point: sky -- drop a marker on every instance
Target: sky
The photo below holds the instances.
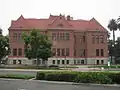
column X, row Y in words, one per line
column 101, row 10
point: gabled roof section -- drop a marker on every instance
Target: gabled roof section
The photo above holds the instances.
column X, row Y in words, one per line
column 19, row 23
column 20, row 18
column 95, row 25
column 58, row 22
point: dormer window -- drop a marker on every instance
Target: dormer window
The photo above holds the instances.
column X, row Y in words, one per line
column 60, row 25
column 60, row 16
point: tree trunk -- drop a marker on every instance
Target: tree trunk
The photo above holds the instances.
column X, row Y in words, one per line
column 37, row 61
column 0, row 62
column 111, row 59
column 44, row 63
column 114, row 44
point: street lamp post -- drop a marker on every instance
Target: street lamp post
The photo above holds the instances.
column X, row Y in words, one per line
column 65, row 61
column 6, row 57
column 56, row 57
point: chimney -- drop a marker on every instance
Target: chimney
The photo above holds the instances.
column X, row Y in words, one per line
column 68, row 17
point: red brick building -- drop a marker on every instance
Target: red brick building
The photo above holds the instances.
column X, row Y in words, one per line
column 83, row 41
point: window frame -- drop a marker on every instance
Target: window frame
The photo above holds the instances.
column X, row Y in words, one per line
column 14, row 51
column 67, row 35
column 19, row 51
column 97, row 52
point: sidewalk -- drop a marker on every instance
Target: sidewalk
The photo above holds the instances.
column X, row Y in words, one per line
column 29, row 70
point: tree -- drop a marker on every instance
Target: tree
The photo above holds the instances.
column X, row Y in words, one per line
column 117, row 51
column 113, row 27
column 37, row 46
column 110, row 49
column 4, row 47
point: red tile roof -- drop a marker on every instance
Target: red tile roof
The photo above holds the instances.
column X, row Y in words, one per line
column 53, row 23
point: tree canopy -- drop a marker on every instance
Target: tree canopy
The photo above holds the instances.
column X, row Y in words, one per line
column 37, row 45
column 114, row 50
column 4, row 47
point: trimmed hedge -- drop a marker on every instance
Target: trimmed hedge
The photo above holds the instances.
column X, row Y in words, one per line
column 80, row 77
column 16, row 76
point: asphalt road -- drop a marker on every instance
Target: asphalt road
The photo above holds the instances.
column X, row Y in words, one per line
column 36, row 85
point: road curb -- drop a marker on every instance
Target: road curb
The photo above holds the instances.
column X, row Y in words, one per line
column 67, row 83
column 85, row 84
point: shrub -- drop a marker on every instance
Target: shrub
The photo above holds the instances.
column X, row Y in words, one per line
column 40, row 76
column 56, row 76
column 93, row 77
column 115, row 77
column 80, row 77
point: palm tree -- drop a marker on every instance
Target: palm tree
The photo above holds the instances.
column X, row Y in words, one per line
column 113, row 26
column 118, row 23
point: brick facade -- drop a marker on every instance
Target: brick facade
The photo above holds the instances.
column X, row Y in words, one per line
column 74, row 41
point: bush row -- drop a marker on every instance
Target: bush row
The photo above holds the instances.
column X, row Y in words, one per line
column 80, row 77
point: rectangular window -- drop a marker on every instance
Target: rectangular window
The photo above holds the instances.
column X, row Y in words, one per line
column 67, row 52
column 63, row 61
column 82, row 61
column 15, row 36
column 58, row 36
column 58, row 61
column 19, row 52
column 102, row 52
column 101, row 39
column 74, row 52
column 75, row 62
column 19, row 62
column 63, row 52
column 102, row 61
column 58, row 51
column 82, row 39
column 82, row 52
column 97, row 52
column 54, row 51
column 53, row 61
column 97, row 39
column 14, row 61
column 78, row 61
column 67, row 62
column 19, row 36
column 54, row 36
column 93, row 39
column 24, row 51
column 62, row 36
column 15, row 52
column 67, row 36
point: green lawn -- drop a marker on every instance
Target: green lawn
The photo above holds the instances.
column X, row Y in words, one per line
column 17, row 76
